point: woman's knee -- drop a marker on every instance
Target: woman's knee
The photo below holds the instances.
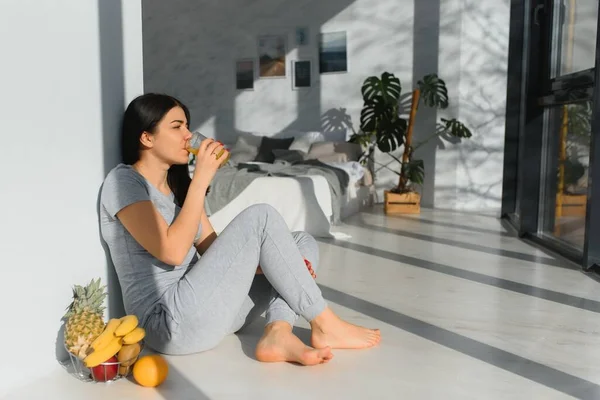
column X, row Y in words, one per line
column 258, row 211
column 263, row 213
column 261, row 209
column 304, row 239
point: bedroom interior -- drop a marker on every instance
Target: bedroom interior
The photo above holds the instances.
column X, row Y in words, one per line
column 247, row 96
column 482, row 275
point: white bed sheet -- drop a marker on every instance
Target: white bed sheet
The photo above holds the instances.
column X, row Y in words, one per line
column 357, row 197
column 304, row 202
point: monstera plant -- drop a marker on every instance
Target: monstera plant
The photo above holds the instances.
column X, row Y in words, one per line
column 576, row 139
column 383, row 126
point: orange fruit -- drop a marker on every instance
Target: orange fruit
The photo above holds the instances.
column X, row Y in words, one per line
column 150, row 370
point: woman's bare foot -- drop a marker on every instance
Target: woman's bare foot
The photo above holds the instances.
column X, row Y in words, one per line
column 280, row 344
column 328, row 330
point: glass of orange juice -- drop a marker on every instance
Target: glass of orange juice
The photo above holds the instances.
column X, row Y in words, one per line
column 194, row 144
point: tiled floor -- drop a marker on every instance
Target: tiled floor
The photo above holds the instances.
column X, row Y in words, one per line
column 467, row 311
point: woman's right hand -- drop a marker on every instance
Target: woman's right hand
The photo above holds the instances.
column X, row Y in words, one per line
column 207, row 163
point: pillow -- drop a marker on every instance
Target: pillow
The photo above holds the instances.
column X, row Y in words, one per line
column 320, row 149
column 245, row 149
column 303, row 140
column 267, row 145
column 332, row 158
column 289, row 156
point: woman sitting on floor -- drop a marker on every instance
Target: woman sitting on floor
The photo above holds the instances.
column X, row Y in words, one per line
column 188, row 287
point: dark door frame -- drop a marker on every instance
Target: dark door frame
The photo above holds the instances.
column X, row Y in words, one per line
column 527, row 81
column 530, row 91
column 591, row 249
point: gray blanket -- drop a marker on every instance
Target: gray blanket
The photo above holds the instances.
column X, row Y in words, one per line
column 229, row 182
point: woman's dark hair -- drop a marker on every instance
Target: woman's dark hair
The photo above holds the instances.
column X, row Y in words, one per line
column 142, row 115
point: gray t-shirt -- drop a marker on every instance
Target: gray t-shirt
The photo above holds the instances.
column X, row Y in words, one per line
column 144, row 279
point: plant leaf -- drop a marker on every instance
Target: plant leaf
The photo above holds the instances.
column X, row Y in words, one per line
column 360, row 138
column 388, row 88
column 415, row 171
column 373, row 112
column 580, row 119
column 391, row 133
column 379, row 115
column 433, row 91
column 456, row 128
column 573, row 171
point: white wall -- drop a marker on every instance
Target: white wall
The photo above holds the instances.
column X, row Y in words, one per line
column 56, row 122
column 467, row 44
column 190, row 48
column 478, row 162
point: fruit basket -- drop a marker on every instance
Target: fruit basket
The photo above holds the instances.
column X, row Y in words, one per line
column 99, row 351
column 108, row 371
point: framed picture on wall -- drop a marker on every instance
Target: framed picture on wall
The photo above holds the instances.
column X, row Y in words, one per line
column 301, row 74
column 244, row 74
column 272, row 56
column 333, row 52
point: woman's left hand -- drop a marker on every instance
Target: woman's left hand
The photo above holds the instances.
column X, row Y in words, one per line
column 310, row 269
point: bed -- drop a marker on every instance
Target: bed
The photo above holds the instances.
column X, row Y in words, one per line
column 309, row 201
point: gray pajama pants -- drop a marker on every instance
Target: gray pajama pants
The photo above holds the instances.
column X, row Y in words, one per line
column 222, row 293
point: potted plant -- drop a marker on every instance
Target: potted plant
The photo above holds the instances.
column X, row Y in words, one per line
column 573, row 144
column 383, row 126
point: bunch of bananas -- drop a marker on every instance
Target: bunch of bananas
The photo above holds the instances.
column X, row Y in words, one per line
column 120, row 336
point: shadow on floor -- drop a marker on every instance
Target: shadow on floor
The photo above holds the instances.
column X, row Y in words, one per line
column 361, row 223
column 506, row 284
column 542, row 374
column 420, row 220
column 177, row 386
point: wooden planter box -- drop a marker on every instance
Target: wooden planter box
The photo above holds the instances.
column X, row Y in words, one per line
column 402, row 203
column 573, row 205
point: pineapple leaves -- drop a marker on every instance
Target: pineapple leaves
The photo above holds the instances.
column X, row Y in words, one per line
column 456, row 128
column 433, row 91
column 91, row 297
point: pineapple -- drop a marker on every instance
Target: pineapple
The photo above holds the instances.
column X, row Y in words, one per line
column 85, row 318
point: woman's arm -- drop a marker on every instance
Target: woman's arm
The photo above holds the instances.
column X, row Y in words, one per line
column 170, row 244
column 207, row 236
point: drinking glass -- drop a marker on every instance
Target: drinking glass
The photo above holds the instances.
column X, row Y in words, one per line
column 194, row 144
